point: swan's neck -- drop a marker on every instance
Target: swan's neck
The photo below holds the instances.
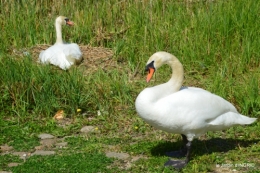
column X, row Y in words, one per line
column 58, row 33
column 149, row 96
column 173, row 85
column 147, row 99
column 176, row 81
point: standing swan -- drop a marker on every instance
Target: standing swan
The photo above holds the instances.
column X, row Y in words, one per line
column 61, row 54
column 188, row 111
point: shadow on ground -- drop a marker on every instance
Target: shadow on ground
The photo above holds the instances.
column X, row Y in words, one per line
column 202, row 147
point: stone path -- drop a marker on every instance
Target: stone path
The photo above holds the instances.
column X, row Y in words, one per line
column 49, row 145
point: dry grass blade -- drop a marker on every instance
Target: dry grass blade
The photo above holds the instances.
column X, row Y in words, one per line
column 96, row 57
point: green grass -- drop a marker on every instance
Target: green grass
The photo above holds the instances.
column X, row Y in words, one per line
column 79, row 162
column 217, row 42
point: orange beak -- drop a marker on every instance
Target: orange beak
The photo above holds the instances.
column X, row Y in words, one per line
column 150, row 74
column 70, row 23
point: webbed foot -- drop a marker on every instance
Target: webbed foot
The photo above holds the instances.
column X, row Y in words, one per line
column 178, row 164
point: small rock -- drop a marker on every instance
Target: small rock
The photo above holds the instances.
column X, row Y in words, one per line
column 62, row 144
column 13, row 164
column 22, row 155
column 87, row 129
column 45, row 136
column 6, row 148
column 43, row 153
column 47, row 142
column 118, row 155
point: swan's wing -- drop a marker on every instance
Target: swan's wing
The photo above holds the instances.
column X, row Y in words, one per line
column 55, row 55
column 72, row 52
column 194, row 105
column 45, row 56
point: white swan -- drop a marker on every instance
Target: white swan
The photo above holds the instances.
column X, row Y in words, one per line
column 61, row 54
column 188, row 111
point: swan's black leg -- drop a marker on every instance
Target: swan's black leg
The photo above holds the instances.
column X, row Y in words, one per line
column 182, row 152
column 184, row 142
column 185, row 150
column 188, row 146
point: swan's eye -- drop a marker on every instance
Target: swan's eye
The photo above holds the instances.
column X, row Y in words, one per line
column 149, row 66
column 66, row 19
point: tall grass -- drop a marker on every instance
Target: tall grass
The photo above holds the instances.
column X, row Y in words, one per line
column 30, row 89
column 218, row 40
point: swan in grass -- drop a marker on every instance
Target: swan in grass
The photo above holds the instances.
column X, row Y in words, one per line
column 188, row 111
column 61, row 54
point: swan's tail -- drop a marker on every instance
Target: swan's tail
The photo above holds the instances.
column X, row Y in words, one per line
column 246, row 120
column 230, row 119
